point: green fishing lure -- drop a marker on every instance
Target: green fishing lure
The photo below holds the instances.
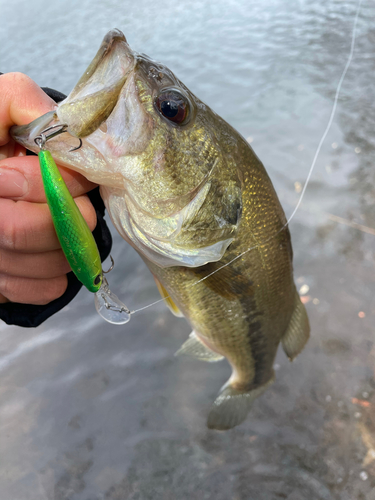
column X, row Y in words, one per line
column 74, row 235
column 76, row 239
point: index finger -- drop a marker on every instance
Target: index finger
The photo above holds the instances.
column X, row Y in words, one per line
column 20, row 179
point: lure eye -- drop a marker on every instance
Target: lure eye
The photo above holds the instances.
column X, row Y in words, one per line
column 98, row 279
column 173, row 106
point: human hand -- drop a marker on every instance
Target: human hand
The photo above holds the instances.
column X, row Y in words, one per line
column 32, row 265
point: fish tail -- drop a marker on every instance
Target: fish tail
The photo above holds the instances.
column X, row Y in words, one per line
column 298, row 331
column 232, row 406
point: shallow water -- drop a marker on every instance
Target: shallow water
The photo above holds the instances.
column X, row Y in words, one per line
column 90, row 411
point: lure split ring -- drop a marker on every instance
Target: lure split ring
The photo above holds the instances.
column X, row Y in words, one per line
column 41, row 139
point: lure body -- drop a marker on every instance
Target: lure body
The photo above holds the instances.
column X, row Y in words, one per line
column 75, row 237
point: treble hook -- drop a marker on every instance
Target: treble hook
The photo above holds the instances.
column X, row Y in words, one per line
column 112, row 265
column 41, row 139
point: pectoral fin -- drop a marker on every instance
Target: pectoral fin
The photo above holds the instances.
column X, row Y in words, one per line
column 195, row 348
column 168, row 300
column 298, row 331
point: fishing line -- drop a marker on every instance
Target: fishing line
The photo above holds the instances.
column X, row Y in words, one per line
column 338, row 89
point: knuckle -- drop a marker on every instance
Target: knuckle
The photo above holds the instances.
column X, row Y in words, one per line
column 4, row 261
column 12, row 235
column 15, row 76
column 18, row 79
column 7, row 230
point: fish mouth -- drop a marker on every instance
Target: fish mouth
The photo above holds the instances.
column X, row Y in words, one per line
column 26, row 134
column 88, row 105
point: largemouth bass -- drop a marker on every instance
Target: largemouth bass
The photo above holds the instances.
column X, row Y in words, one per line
column 190, row 195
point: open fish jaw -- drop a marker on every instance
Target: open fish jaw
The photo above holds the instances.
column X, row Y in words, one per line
column 160, row 171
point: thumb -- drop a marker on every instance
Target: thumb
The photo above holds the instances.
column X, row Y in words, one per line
column 22, row 100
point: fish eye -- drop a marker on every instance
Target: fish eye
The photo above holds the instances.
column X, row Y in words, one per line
column 173, row 106
column 98, row 279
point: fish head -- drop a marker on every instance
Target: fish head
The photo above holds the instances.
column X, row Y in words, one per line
column 163, row 159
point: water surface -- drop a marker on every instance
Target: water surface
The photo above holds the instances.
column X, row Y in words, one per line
column 90, row 411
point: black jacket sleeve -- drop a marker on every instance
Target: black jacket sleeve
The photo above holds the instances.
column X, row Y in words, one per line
column 29, row 315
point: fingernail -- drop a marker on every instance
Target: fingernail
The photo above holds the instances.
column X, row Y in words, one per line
column 13, row 184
